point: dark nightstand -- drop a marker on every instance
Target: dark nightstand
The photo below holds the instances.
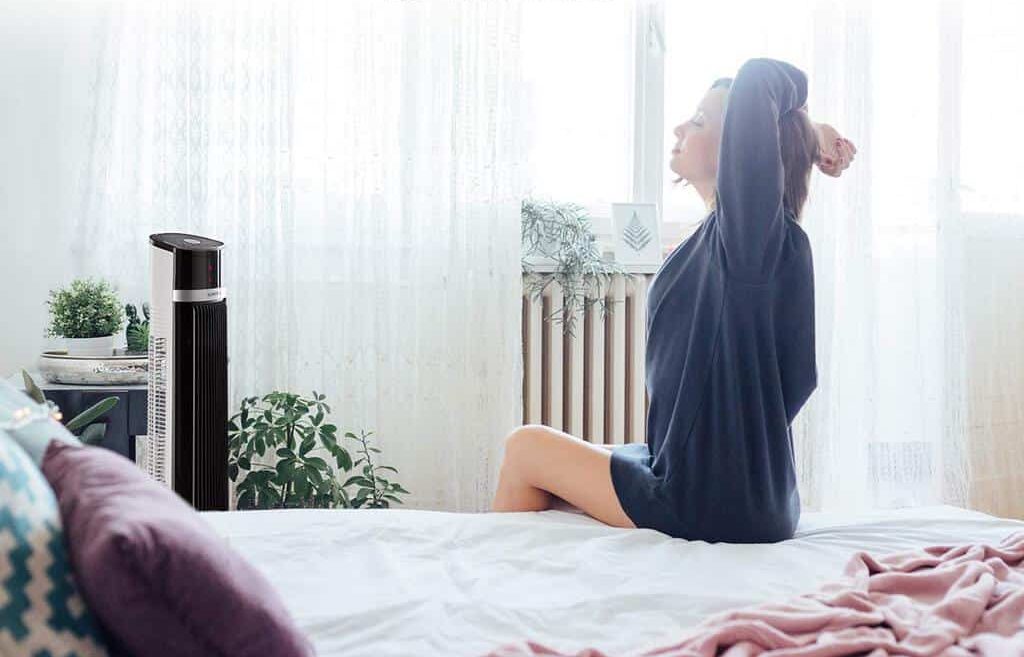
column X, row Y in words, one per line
column 124, row 422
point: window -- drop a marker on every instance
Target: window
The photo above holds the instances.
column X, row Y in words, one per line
column 594, row 90
column 992, row 104
column 704, row 42
column 577, row 70
column 608, row 80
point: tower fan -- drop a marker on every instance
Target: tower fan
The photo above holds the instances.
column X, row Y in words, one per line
column 187, row 443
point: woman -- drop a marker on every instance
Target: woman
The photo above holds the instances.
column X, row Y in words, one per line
column 730, row 337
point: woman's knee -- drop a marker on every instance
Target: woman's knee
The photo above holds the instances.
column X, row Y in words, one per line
column 522, row 442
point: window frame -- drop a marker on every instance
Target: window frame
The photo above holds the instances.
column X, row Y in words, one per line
column 648, row 124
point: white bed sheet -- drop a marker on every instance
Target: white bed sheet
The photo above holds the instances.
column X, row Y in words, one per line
column 418, row 583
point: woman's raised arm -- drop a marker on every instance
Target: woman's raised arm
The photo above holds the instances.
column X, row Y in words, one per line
column 750, row 172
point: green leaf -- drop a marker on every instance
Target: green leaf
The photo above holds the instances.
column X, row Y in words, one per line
column 233, row 471
column 359, row 480
column 400, row 489
column 317, row 463
column 263, row 498
column 32, row 389
column 285, row 471
column 328, row 428
column 387, row 467
column 307, row 446
column 244, row 463
column 261, row 477
column 91, row 414
column 246, row 500
column 245, row 484
column 318, row 418
column 301, row 484
column 343, row 458
column 388, row 496
column 94, row 433
column 284, row 452
column 272, row 496
column 232, row 426
column 349, row 434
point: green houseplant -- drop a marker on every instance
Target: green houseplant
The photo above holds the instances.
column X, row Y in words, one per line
column 275, row 446
column 86, row 314
column 84, row 425
column 136, row 333
column 561, row 236
column 373, row 490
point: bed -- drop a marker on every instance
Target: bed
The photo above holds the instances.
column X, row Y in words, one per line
column 405, row 582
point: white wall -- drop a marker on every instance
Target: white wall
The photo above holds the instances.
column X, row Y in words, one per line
column 38, row 164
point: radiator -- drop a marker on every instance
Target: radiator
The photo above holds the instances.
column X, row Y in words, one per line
column 589, row 383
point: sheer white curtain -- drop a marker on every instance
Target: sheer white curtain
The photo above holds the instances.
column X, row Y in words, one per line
column 361, row 161
column 918, row 247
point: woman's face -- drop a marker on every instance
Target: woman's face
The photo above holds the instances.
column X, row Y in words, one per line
column 695, row 154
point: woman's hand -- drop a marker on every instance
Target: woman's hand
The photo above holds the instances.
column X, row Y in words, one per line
column 835, row 152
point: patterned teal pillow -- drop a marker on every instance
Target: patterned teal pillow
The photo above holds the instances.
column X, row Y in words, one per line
column 41, row 611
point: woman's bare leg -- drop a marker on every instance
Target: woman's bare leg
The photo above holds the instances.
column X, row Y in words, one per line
column 540, row 462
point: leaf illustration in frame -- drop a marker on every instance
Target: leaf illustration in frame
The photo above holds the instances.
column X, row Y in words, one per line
column 635, row 234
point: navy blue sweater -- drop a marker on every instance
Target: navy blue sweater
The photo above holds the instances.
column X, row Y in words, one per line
column 730, row 344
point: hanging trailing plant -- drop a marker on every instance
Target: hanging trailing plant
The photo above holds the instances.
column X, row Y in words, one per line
column 562, row 233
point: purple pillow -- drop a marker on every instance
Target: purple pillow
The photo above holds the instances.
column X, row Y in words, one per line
column 156, row 575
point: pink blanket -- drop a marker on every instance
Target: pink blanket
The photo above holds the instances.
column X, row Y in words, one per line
column 950, row 601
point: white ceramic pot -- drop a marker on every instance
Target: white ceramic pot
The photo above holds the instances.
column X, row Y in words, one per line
column 90, row 346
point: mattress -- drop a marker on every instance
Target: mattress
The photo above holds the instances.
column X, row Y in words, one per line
column 404, row 582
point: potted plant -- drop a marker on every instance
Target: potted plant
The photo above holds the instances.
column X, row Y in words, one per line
column 277, row 446
column 136, row 333
column 86, row 314
column 559, row 246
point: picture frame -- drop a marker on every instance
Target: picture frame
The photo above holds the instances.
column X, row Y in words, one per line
column 637, row 234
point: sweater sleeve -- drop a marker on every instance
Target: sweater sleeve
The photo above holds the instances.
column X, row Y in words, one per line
column 750, row 172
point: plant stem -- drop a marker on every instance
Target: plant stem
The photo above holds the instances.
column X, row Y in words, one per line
column 377, row 496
